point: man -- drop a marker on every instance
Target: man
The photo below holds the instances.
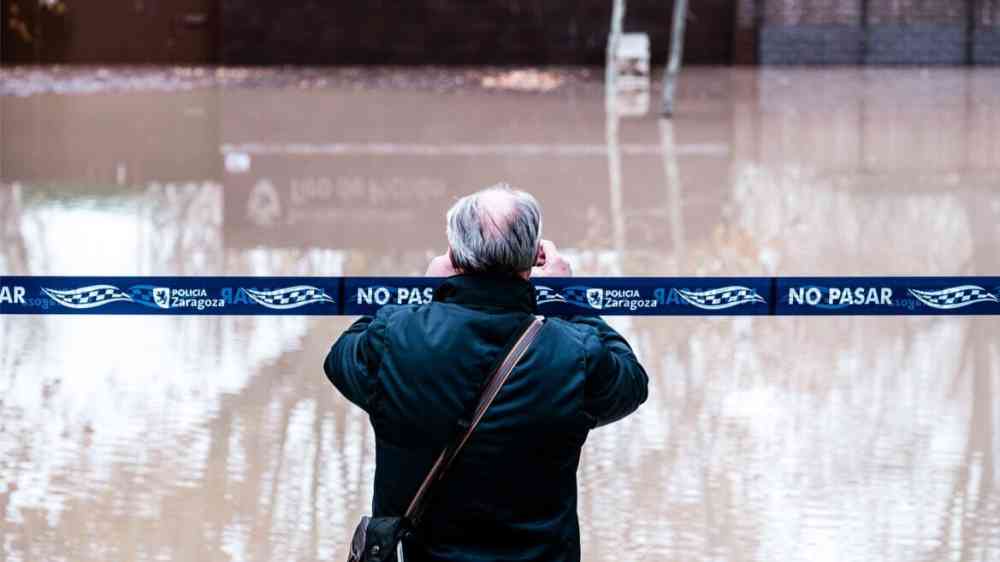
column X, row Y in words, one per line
column 417, row 370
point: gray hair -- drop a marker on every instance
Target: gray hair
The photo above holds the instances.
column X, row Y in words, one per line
column 488, row 238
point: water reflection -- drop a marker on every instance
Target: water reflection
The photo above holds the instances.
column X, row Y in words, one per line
column 764, row 439
column 855, row 446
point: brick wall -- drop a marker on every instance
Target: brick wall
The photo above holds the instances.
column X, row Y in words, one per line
column 878, row 31
column 986, row 31
column 812, row 12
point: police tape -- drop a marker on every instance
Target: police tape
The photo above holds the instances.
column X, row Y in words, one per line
column 621, row 296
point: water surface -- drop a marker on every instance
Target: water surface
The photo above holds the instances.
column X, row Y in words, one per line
column 840, row 438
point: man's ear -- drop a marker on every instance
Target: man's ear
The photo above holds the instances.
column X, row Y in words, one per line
column 539, row 256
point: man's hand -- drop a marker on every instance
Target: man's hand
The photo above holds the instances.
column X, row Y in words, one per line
column 441, row 266
column 550, row 262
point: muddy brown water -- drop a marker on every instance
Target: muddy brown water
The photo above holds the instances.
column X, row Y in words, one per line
column 813, row 439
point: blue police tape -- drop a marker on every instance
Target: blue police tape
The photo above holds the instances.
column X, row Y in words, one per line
column 624, row 296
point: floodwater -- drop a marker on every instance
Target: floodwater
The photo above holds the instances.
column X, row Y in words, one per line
column 764, row 439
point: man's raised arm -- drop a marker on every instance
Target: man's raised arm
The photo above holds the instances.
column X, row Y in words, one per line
column 354, row 359
column 616, row 382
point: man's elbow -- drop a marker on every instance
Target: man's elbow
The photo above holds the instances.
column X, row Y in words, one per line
column 639, row 388
column 630, row 391
column 329, row 367
column 335, row 363
column 643, row 387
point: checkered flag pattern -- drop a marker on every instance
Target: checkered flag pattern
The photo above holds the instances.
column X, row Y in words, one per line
column 87, row 297
column 723, row 297
column 289, row 297
column 954, row 297
column 545, row 295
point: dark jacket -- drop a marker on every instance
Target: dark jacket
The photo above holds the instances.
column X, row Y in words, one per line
column 417, row 369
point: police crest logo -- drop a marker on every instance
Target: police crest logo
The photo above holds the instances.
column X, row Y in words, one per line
column 595, row 297
column 161, row 296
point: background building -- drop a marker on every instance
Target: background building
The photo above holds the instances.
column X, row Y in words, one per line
column 495, row 31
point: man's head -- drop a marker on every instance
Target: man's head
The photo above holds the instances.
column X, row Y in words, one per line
column 496, row 230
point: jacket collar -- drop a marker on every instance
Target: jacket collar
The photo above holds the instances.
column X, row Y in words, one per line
column 488, row 291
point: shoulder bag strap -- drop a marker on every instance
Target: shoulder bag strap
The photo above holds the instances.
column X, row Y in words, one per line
column 415, row 510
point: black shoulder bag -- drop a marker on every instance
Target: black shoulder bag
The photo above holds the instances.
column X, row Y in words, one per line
column 380, row 539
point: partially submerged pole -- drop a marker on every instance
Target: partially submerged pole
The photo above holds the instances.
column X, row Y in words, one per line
column 615, row 33
column 611, row 132
column 676, row 54
column 672, row 174
column 615, row 176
